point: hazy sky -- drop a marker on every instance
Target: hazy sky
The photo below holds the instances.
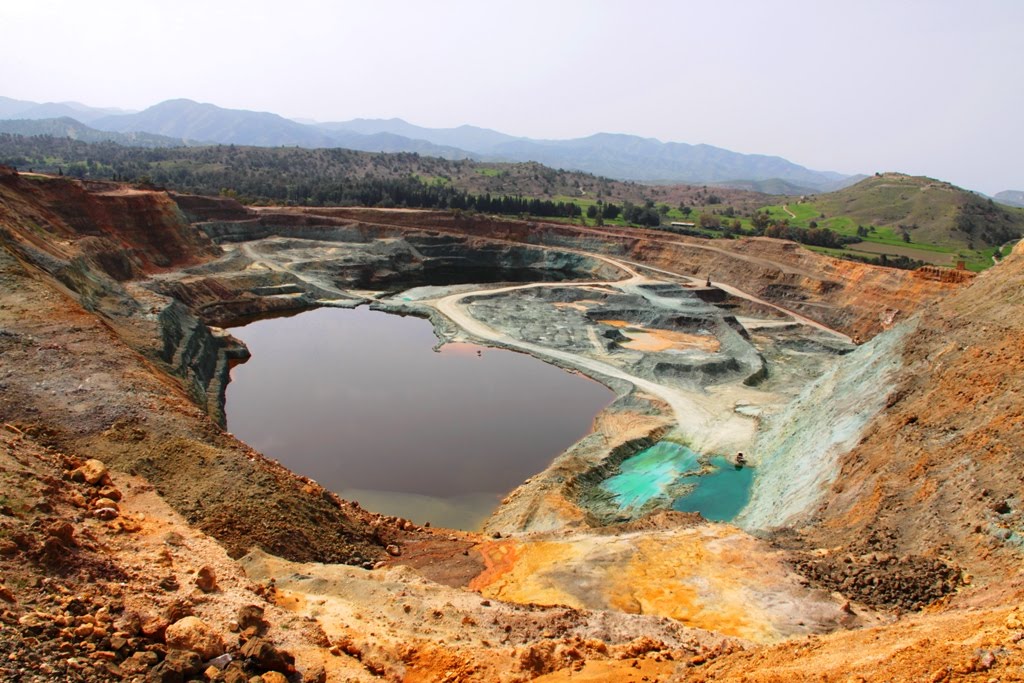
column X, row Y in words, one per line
column 925, row 87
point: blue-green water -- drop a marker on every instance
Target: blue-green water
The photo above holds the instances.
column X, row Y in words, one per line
column 718, row 494
column 649, row 473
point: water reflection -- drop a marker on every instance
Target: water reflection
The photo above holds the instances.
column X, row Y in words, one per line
column 358, row 400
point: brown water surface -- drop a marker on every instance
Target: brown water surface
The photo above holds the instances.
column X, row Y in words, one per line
column 359, row 401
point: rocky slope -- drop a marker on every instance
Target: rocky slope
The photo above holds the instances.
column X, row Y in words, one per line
column 904, row 566
column 938, row 470
column 855, row 298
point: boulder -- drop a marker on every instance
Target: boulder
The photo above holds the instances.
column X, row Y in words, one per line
column 92, row 472
column 194, row 635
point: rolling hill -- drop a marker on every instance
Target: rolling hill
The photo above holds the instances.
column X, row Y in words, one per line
column 931, row 211
column 1010, row 197
column 909, row 213
column 623, row 157
column 66, row 127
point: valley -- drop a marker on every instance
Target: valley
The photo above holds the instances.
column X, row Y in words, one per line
column 877, row 532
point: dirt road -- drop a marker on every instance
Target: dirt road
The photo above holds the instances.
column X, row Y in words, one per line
column 703, row 418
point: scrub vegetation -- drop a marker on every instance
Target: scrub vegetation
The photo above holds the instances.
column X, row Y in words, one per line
column 889, row 219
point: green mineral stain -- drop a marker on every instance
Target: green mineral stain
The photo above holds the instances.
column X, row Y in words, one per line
column 649, row 473
column 718, row 493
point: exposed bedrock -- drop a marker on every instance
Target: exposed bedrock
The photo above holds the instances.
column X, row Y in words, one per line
column 799, row 450
column 100, row 237
column 274, row 267
column 198, row 357
column 160, row 328
column 855, row 298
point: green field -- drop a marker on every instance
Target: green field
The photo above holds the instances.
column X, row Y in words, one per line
column 879, row 239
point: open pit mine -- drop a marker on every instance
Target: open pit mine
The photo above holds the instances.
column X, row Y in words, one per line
column 809, row 469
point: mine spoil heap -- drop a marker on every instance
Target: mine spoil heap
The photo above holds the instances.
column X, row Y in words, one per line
column 140, row 541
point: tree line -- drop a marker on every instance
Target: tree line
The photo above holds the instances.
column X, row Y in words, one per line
column 279, row 175
column 340, row 177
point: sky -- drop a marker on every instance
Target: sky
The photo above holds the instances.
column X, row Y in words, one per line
column 930, row 87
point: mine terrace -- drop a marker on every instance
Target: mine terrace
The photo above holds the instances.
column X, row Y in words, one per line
column 808, row 465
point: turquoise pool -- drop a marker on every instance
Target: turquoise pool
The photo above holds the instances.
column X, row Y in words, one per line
column 718, row 494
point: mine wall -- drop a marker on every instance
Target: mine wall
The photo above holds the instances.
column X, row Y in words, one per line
column 857, row 299
column 141, row 371
column 98, row 264
column 93, row 243
column 225, row 292
column 799, row 451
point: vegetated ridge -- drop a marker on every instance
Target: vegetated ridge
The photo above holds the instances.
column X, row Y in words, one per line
column 626, row 157
column 291, row 175
column 67, row 127
column 895, row 216
column 930, row 211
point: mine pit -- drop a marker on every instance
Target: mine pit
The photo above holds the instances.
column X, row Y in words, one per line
column 355, row 407
column 634, row 533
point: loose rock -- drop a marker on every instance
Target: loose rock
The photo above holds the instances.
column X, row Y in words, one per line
column 91, row 472
column 206, row 580
column 266, row 656
column 194, row 635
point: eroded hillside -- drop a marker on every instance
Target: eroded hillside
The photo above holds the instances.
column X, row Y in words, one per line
column 897, row 559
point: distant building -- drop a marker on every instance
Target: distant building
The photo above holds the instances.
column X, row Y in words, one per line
column 680, row 224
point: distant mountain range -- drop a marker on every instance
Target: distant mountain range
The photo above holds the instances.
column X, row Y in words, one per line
column 22, row 109
column 66, row 127
column 624, row 157
column 1010, row 197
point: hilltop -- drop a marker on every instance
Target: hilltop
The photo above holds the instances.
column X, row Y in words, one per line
column 907, row 217
column 1010, row 197
column 931, row 211
column 624, row 157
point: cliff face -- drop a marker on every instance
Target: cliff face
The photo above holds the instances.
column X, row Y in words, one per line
column 125, row 232
column 94, row 237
